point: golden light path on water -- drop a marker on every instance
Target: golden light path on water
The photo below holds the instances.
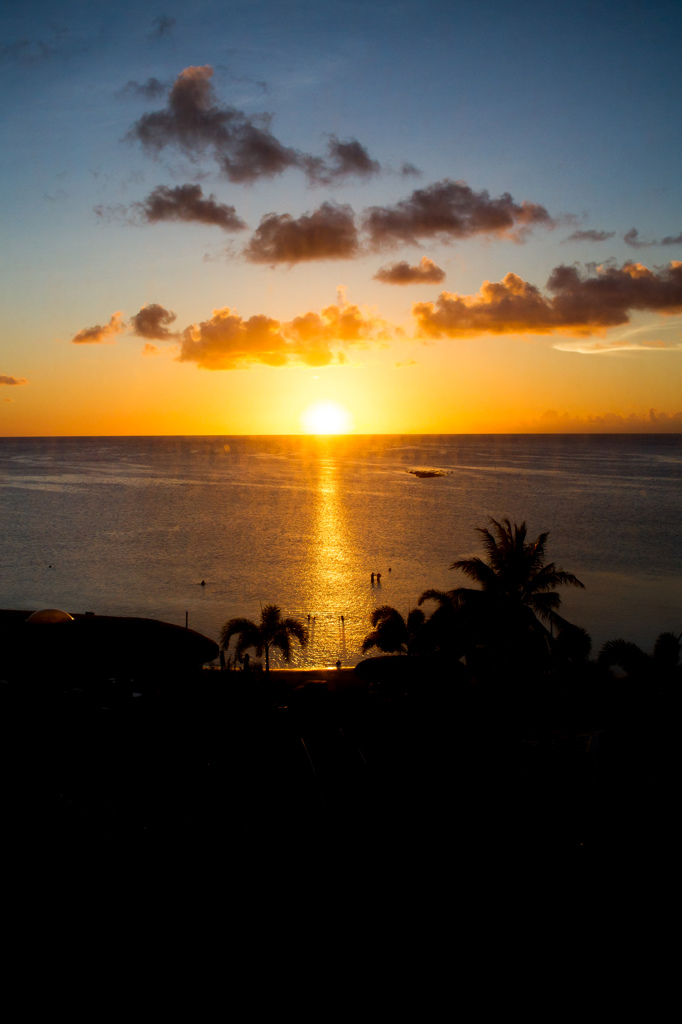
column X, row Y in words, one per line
column 326, row 574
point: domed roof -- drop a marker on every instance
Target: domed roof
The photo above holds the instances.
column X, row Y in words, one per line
column 50, row 615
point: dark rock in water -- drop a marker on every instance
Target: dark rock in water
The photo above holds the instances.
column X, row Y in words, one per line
column 421, row 473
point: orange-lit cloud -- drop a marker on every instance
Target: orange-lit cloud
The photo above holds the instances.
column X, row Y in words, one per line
column 449, row 210
column 187, row 203
column 150, row 350
column 98, row 334
column 582, row 305
column 426, row 272
column 329, row 233
column 228, row 342
column 11, row 382
column 153, row 322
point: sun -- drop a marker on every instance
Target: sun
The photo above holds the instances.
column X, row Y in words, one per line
column 325, row 418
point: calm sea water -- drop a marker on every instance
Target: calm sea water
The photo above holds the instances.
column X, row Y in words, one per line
column 132, row 525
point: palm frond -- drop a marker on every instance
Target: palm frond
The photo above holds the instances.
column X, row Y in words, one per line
column 234, row 626
column 624, row 653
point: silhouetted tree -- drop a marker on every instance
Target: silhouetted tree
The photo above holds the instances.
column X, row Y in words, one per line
column 517, row 600
column 272, row 631
column 663, row 665
column 393, row 634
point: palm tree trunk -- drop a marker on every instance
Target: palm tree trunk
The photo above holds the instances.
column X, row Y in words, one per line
column 267, row 659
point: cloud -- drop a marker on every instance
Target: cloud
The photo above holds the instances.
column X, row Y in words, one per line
column 98, row 334
column 451, row 209
column 35, row 51
column 11, row 382
column 153, row 322
column 242, row 145
column 161, row 27
column 590, row 347
column 150, row 89
column 672, row 240
column 589, row 236
column 408, row 170
column 229, row 342
column 187, row 203
column 150, row 350
column 632, row 239
column 426, row 271
column 329, row 233
column 651, row 422
column 582, row 305
column 345, row 158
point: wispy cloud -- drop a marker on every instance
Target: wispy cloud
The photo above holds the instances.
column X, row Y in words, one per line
column 150, row 90
column 651, row 422
column 590, row 235
column 162, row 27
column 11, row 382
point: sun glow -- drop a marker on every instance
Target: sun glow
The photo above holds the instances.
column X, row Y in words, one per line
column 325, row 418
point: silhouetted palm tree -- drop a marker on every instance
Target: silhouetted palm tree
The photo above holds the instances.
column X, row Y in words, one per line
column 517, row 599
column 637, row 663
column 272, row 631
column 392, row 634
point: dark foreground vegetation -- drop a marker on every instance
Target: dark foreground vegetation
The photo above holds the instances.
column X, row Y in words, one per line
column 490, row 736
column 414, row 757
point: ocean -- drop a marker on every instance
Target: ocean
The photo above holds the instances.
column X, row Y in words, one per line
column 132, row 525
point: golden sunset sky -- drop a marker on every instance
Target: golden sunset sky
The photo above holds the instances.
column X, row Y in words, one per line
column 430, row 218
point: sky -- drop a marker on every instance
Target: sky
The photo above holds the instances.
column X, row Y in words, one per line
column 391, row 217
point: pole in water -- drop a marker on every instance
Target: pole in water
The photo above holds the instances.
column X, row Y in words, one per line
column 186, row 619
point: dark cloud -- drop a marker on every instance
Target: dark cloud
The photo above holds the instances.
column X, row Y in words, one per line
column 229, row 342
column 242, row 145
column 187, row 203
column 590, row 236
column 450, row 209
column 98, row 334
column 672, row 240
column 345, row 158
column 11, row 382
column 426, row 272
column 329, row 233
column 161, row 26
column 408, row 170
column 581, row 305
column 150, row 89
column 153, row 322
column 632, row 239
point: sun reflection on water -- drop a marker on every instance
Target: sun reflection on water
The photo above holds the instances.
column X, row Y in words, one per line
column 326, row 571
